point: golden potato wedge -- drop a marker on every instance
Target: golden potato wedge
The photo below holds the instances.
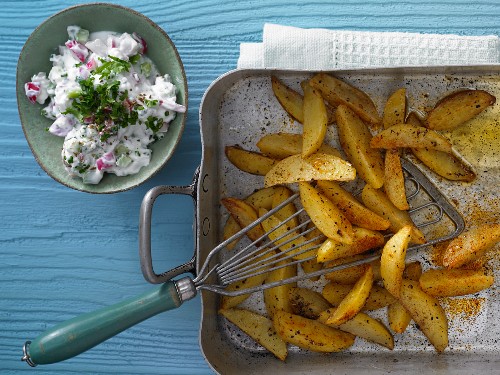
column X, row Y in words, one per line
column 454, row 282
column 355, row 138
column 291, row 243
column 457, row 108
column 471, row 245
column 230, row 228
column 351, row 274
column 282, row 145
column 259, row 328
column 337, row 92
column 310, row 334
column 307, row 302
column 277, row 298
column 405, row 135
column 392, row 261
column 364, row 326
column 397, row 315
column 281, row 194
column 395, row 109
column 378, row 202
column 228, row 302
column 315, row 121
column 317, row 166
column 249, row 161
column 394, row 180
column 353, row 210
column 244, row 214
column 354, row 301
column 426, row 311
column 363, row 240
column 444, row 164
column 292, row 102
column 379, row 297
column 312, row 265
column 325, row 215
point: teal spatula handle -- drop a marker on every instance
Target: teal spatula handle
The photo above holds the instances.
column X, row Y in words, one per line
column 81, row 333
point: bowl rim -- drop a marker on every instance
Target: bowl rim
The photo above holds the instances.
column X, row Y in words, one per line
column 185, row 95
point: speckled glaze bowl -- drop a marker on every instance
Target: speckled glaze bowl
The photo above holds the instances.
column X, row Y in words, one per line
column 34, row 58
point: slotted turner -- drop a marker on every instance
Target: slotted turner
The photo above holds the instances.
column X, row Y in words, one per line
column 430, row 209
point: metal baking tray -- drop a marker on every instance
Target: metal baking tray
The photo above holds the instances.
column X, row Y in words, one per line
column 239, row 107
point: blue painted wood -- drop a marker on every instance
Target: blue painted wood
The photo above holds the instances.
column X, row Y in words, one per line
column 64, row 253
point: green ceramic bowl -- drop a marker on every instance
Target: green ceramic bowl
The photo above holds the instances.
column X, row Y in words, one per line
column 34, row 58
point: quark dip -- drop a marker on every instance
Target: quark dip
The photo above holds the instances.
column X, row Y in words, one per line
column 107, row 100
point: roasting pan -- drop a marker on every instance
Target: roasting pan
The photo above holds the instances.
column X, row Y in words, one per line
column 238, row 108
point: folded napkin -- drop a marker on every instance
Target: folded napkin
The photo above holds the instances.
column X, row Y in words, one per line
column 289, row 47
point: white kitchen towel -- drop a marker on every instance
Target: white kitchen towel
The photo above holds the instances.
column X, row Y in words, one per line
column 288, row 47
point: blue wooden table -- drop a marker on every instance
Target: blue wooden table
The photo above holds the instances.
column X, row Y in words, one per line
column 63, row 252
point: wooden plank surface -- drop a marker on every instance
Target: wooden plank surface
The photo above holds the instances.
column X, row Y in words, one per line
column 63, row 252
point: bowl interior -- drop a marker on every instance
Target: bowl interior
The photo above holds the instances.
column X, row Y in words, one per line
column 34, row 58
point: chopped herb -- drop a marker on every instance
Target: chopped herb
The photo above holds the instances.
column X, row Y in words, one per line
column 134, row 59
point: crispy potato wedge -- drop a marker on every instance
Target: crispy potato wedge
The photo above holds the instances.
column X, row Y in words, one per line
column 310, row 334
column 364, row 326
column 230, row 228
column 378, row 202
column 395, row 109
column 454, row 282
column 315, row 121
column 355, row 138
column 281, row 194
column 457, row 108
column 363, row 240
column 444, row 164
column 405, row 135
column 394, row 180
column 337, row 92
column 249, row 161
column 244, row 214
column 292, row 102
column 353, row 210
column 282, row 145
column 325, row 215
column 277, row 298
column 350, row 275
column 397, row 315
column 307, row 303
column 354, row 301
column 259, row 328
column 289, row 241
column 426, row 311
column 379, row 297
column 471, row 245
column 312, row 265
column 317, row 166
column 228, row 302
column 392, row 261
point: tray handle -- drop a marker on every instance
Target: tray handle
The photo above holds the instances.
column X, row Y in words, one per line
column 145, row 216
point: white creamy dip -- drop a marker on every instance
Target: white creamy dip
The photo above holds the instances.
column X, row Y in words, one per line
column 107, row 100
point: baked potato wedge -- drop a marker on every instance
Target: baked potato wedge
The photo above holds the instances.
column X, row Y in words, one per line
column 378, row 297
column 354, row 301
column 317, row 166
column 457, row 108
column 394, row 180
column 244, row 214
column 310, row 334
column 471, row 245
column 445, row 282
column 364, row 326
column 277, row 298
column 351, row 274
column 355, row 139
column 409, row 136
column 315, row 121
column 426, row 311
column 337, row 92
column 307, row 302
column 395, row 109
column 282, row 145
column 249, row 161
column 259, row 328
column 352, row 209
column 325, row 215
